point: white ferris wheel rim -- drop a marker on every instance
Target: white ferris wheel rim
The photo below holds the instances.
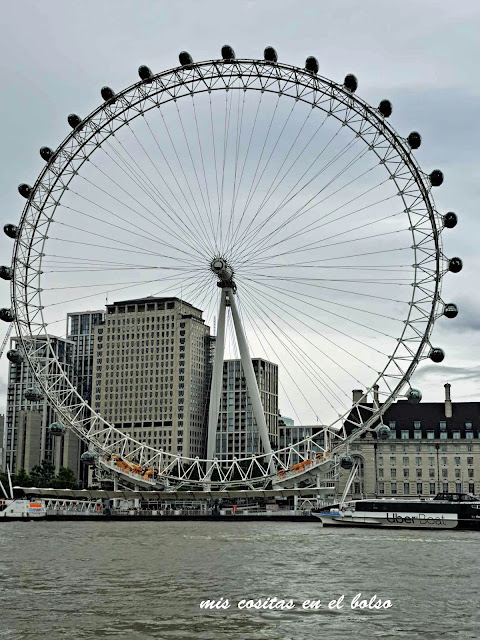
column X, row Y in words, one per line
column 174, row 84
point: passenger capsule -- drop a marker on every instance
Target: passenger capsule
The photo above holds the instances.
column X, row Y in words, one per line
column 185, row 58
column 6, row 273
column 450, row 310
column 11, row 231
column 15, row 356
column 455, row 265
column 437, row 355
column 6, row 315
column 46, row 153
column 346, row 462
column 145, row 73
column 311, row 64
column 56, row 429
column 383, row 432
column 350, row 83
column 414, row 396
column 88, row 457
column 270, row 55
column 385, row 108
column 25, row 190
column 414, row 140
column 33, row 395
column 74, row 121
column 450, row 220
column 227, row 52
column 107, row 93
column 436, row 178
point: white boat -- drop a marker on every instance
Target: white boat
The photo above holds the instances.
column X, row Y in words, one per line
column 445, row 511
column 22, row 509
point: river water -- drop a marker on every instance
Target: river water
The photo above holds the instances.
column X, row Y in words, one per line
column 146, row 580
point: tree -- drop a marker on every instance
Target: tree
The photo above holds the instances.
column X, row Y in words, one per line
column 22, row 479
column 42, row 474
column 64, row 480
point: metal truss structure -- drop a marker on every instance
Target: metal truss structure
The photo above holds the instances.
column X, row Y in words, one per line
column 318, row 455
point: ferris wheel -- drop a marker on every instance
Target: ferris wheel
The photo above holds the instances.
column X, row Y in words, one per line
column 280, row 204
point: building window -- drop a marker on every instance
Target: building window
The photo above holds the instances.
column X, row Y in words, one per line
column 417, row 424
column 406, row 488
column 381, row 487
column 456, row 435
column 393, row 488
column 432, row 489
column 430, row 435
column 405, row 435
column 417, row 435
column 419, row 487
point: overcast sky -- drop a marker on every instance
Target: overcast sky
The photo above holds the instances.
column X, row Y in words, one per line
column 423, row 56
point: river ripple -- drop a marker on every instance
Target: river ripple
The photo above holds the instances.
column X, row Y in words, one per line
column 146, row 580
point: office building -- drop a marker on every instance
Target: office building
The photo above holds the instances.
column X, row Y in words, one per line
column 80, row 331
column 237, row 432
column 26, row 438
column 432, row 447
column 151, row 357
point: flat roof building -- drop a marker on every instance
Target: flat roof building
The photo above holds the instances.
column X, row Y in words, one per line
column 151, row 358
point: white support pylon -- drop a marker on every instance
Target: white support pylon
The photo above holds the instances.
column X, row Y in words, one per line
column 250, row 378
column 217, row 376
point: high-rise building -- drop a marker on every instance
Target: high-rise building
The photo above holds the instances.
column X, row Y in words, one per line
column 151, row 358
column 27, row 440
column 237, row 431
column 80, row 330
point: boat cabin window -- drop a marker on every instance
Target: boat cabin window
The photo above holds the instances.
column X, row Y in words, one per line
column 456, row 497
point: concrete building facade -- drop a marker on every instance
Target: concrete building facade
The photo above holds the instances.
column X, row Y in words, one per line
column 26, row 438
column 433, row 447
column 80, row 331
column 151, row 357
column 237, row 431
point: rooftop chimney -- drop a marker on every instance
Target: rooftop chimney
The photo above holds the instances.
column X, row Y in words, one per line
column 448, row 401
column 357, row 395
column 375, row 395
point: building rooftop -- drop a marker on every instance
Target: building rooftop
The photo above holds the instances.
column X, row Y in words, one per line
column 429, row 415
column 150, row 299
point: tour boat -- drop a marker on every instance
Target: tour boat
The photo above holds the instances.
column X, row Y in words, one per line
column 445, row 511
column 22, row 509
